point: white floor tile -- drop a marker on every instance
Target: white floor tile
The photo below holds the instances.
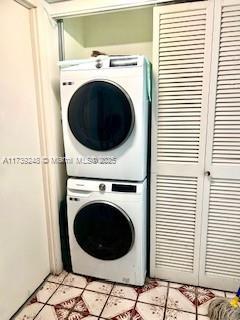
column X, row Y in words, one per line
column 125, row 292
column 50, row 313
column 29, row 312
column 94, row 302
column 172, row 314
column 65, row 297
column 57, row 279
column 155, row 296
column 75, row 297
column 75, row 281
column 99, row 286
column 183, row 300
column 77, row 316
column 217, row 293
column 118, row 307
column 149, row 284
column 163, row 283
column 145, row 311
column 46, row 291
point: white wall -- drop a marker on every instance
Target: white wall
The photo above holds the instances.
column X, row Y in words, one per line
column 125, row 32
column 30, row 122
column 48, row 45
column 24, row 254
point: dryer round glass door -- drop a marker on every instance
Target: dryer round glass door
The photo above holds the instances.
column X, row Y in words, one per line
column 103, row 230
column 100, row 115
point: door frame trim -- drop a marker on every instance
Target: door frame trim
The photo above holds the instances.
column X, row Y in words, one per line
column 40, row 59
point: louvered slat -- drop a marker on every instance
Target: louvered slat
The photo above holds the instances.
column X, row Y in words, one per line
column 180, row 77
column 227, row 115
column 223, row 243
column 180, row 67
column 175, row 222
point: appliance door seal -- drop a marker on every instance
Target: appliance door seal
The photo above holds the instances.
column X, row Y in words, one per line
column 103, row 230
column 101, row 115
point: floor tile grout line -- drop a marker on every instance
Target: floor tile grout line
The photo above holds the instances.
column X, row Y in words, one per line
column 166, row 302
column 120, row 297
column 112, row 295
column 56, row 282
column 75, row 287
column 72, row 309
column 113, row 284
column 83, row 288
column 98, row 292
column 121, row 284
column 180, row 310
column 29, row 299
column 109, row 295
column 45, row 303
column 196, row 299
column 135, row 304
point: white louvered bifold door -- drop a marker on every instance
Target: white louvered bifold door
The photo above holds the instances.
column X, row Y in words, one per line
column 181, row 66
column 220, row 250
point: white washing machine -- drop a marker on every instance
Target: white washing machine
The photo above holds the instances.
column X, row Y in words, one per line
column 107, row 229
column 105, row 117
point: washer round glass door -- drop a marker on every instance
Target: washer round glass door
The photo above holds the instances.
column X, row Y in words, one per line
column 103, row 230
column 100, row 115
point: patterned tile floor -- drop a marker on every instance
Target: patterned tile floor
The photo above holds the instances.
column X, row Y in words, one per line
column 72, row 297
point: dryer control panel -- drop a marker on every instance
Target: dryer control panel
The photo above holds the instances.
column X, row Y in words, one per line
column 124, row 187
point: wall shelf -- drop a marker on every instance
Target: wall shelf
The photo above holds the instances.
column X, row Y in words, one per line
column 122, row 32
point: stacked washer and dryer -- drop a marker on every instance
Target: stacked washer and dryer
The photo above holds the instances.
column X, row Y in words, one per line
column 105, row 114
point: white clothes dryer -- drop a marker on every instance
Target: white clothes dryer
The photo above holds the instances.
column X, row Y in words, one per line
column 105, row 104
column 107, row 229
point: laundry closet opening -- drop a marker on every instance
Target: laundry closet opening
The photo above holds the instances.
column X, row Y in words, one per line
column 127, row 32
